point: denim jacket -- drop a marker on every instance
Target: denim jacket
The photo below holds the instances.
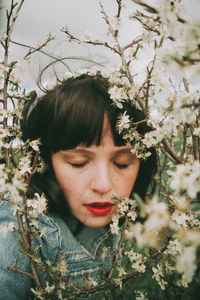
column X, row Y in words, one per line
column 82, row 253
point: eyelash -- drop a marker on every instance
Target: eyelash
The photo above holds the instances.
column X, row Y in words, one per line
column 119, row 166
column 78, row 165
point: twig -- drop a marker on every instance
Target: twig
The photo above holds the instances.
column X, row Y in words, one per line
column 134, row 42
column 33, row 50
column 151, row 8
column 194, row 143
column 18, row 150
column 128, row 285
column 120, row 51
column 105, row 44
column 27, row 246
column 20, row 271
column 118, row 248
column 119, row 2
column 171, row 151
column 184, row 142
column 10, row 25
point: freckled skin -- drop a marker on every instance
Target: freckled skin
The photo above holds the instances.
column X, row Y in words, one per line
column 95, row 174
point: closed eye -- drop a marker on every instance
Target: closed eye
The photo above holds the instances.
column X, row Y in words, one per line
column 121, row 166
column 78, row 165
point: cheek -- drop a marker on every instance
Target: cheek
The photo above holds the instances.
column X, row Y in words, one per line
column 73, row 185
column 126, row 182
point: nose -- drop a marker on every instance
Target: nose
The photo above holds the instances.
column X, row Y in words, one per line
column 101, row 180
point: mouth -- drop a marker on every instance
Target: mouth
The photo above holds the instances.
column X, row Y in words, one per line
column 99, row 208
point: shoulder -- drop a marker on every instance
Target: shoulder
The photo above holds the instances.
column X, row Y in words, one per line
column 15, row 285
column 48, row 237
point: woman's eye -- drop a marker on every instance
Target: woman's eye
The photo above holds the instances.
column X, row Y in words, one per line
column 121, row 166
column 78, row 165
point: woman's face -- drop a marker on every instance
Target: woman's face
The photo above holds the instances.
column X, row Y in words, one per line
column 90, row 176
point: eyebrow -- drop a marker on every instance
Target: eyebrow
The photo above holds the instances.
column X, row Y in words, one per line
column 89, row 152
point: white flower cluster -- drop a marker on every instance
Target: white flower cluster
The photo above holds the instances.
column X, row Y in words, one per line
column 174, row 247
column 12, row 185
column 89, row 37
column 186, row 178
column 186, row 264
column 25, row 165
column 123, row 122
column 37, row 205
column 152, row 138
column 137, row 261
column 127, row 207
column 7, row 227
column 157, row 215
column 3, row 36
column 140, row 295
column 158, row 276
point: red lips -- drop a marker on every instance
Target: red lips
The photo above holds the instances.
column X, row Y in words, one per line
column 99, row 208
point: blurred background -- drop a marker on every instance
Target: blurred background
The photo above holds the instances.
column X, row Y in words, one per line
column 38, row 18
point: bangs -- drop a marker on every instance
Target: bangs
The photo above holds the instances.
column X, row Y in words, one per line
column 79, row 116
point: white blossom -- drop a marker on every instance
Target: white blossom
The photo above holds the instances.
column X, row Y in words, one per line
column 7, row 227
column 118, row 282
column 158, row 275
column 123, row 122
column 186, row 177
column 49, row 289
column 186, row 263
column 37, row 293
column 121, row 272
column 92, row 282
column 174, row 247
column 114, row 228
column 89, row 37
column 35, row 144
column 118, row 95
column 37, row 205
column 181, row 218
column 25, row 165
column 158, row 215
column 140, row 295
column 139, row 265
column 3, row 36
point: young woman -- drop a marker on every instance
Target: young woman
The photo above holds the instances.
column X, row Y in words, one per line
column 88, row 163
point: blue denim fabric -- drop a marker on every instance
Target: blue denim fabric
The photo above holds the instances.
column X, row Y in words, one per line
column 82, row 252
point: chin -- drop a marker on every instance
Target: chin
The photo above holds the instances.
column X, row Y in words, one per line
column 97, row 223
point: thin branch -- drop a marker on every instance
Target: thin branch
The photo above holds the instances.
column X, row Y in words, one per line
column 39, row 50
column 140, row 122
column 194, row 143
column 184, row 142
column 31, row 51
column 20, row 271
column 10, row 25
column 119, row 2
column 133, row 277
column 120, row 51
column 150, row 8
column 169, row 149
column 18, row 150
column 118, row 248
column 105, row 44
column 134, row 42
column 27, row 246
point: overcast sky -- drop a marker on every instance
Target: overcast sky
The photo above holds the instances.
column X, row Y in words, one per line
column 38, row 18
